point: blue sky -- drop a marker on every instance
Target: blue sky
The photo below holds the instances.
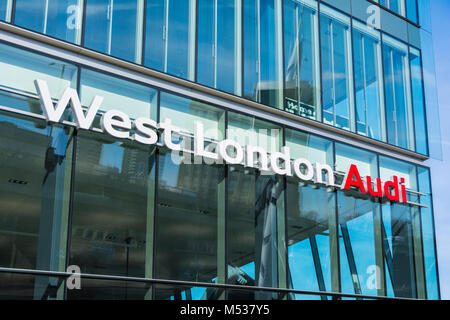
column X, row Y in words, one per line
column 441, row 169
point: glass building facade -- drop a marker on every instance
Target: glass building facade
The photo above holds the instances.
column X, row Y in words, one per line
column 339, row 82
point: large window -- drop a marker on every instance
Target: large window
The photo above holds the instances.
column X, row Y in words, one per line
column 263, row 71
column 190, row 204
column 337, row 74
column 301, row 56
column 370, row 117
column 115, row 27
column 400, row 129
column 170, row 37
column 311, row 221
column 35, row 170
column 219, row 45
column 361, row 256
column 397, row 231
column 255, row 225
column 57, row 18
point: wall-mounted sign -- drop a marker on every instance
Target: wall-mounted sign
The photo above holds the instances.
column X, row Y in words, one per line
column 146, row 131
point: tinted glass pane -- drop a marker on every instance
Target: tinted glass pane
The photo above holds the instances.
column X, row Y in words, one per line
column 219, row 45
column 310, row 213
column 112, row 206
column 133, row 99
column 56, row 18
column 163, row 292
column 255, row 224
column 428, row 235
column 397, row 233
column 35, row 168
column 191, row 197
column 93, row 289
column 301, row 43
column 30, row 287
column 115, row 27
column 399, row 116
column 420, row 125
column 19, row 69
column 262, row 54
column 170, row 37
column 368, row 82
column 336, row 69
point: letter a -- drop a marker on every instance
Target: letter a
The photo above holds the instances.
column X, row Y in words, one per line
column 353, row 171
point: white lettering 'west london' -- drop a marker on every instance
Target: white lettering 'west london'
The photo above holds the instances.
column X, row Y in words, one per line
column 146, row 131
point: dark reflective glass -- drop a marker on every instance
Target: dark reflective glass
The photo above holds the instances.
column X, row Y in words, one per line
column 412, row 12
column 187, row 220
column 14, row 286
column 5, row 10
column 57, row 18
column 112, row 207
column 174, row 292
column 35, row 166
column 94, row 289
column 398, row 6
column 255, row 225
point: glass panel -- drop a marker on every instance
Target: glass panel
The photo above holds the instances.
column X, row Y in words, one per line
column 301, row 50
column 399, row 116
column 19, row 69
column 35, row 162
column 255, row 224
column 428, row 235
column 15, row 286
column 398, row 6
column 93, row 289
column 115, row 27
column 191, row 199
column 397, row 233
column 134, row 99
column 170, row 37
column 219, row 44
column 56, row 18
column 187, row 220
column 337, row 79
column 233, row 294
column 263, row 71
column 361, row 257
column 310, row 214
column 370, row 119
column 420, row 125
column 411, row 11
column 112, row 206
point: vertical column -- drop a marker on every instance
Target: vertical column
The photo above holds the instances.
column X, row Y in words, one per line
column 334, row 232
column 238, row 47
column 221, row 217
column 418, row 253
column 53, row 225
column 139, row 31
column 192, row 39
column 279, row 53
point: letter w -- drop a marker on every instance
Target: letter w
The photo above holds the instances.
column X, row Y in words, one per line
column 70, row 96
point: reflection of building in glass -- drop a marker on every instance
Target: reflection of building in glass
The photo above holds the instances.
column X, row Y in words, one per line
column 304, row 74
